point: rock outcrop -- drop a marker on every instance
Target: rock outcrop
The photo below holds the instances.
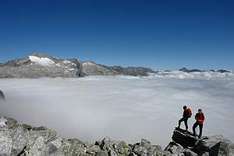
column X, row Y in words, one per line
column 91, row 68
column 2, row 96
column 17, row 139
column 184, row 143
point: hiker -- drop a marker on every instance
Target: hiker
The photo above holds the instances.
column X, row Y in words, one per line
column 186, row 115
column 200, row 118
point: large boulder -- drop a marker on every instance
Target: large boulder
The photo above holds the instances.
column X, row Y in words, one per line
column 184, row 138
column 215, row 146
column 210, row 146
column 175, row 149
column 145, row 148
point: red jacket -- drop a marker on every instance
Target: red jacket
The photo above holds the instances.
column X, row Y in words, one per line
column 200, row 118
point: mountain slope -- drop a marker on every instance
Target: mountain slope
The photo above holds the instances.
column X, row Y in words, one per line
column 36, row 65
column 42, row 65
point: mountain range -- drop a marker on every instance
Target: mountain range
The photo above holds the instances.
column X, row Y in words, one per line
column 42, row 65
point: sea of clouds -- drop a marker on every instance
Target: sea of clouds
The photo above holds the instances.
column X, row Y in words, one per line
column 121, row 107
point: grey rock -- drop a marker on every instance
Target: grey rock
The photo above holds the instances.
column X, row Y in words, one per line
column 91, row 68
column 123, row 148
column 145, row 148
column 215, row 145
column 93, row 149
column 174, row 148
column 5, row 142
column 38, row 148
column 102, row 153
column 185, row 139
column 212, row 146
column 231, row 149
column 74, row 147
column 11, row 123
column 21, row 139
column 2, row 96
column 188, row 152
column 25, row 68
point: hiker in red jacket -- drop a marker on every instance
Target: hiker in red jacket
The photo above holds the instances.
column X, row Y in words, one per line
column 186, row 115
column 200, row 118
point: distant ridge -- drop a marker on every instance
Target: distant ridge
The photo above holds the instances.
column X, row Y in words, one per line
column 39, row 65
column 42, row 65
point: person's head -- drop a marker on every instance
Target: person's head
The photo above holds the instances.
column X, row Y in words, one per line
column 199, row 110
column 185, row 107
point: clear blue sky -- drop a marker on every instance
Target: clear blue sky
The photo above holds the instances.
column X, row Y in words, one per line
column 165, row 34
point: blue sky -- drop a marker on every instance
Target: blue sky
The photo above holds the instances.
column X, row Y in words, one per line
column 165, row 34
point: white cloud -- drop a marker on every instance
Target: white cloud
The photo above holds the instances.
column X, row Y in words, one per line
column 120, row 107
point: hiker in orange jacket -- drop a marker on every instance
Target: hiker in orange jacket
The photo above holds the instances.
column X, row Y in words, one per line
column 200, row 118
column 186, row 115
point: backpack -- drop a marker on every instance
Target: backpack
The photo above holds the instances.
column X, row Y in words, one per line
column 189, row 112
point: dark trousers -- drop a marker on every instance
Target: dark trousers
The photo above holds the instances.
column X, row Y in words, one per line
column 200, row 129
column 185, row 122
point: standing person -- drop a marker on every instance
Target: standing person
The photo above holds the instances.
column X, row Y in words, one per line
column 186, row 115
column 200, row 118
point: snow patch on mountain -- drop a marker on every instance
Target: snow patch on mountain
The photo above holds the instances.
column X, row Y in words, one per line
column 88, row 63
column 44, row 61
column 66, row 62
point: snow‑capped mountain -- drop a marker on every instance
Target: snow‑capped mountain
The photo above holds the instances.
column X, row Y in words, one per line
column 38, row 65
column 41, row 65
column 44, row 61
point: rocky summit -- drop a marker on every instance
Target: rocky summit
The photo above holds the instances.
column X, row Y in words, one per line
column 39, row 65
column 17, row 139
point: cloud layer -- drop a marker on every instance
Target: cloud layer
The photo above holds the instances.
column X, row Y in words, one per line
column 128, row 108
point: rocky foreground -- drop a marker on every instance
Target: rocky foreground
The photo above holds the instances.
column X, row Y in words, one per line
column 17, row 139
